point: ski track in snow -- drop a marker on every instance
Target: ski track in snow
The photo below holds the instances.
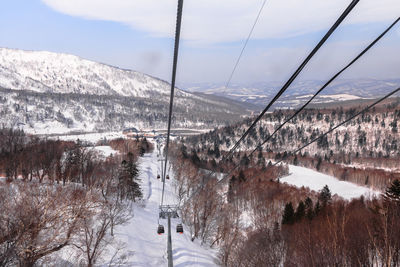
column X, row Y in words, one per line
column 139, row 234
column 300, row 176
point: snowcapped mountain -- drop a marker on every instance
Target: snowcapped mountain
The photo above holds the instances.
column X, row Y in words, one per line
column 62, row 73
column 48, row 92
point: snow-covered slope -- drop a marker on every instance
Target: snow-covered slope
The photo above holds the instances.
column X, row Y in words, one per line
column 299, row 176
column 43, row 71
column 150, row 249
column 48, row 92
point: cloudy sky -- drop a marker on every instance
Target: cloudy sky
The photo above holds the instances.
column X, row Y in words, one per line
column 138, row 34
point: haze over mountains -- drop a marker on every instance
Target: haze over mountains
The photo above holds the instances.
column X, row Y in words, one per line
column 259, row 93
column 51, row 92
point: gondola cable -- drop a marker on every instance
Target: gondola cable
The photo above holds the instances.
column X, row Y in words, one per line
column 244, row 46
column 171, row 102
column 316, row 94
column 296, row 73
column 326, row 84
column 329, row 131
column 342, row 123
column 345, row 13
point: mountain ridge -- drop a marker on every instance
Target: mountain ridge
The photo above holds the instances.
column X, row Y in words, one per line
column 46, row 90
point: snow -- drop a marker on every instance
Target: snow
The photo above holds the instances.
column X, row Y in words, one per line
column 341, row 97
column 44, row 71
column 91, row 137
column 106, row 150
column 300, row 176
column 150, row 249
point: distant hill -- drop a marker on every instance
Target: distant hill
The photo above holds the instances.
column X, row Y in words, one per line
column 48, row 92
column 261, row 93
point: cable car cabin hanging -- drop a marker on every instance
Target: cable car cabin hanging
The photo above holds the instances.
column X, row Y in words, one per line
column 179, row 228
column 160, row 229
column 167, row 176
column 158, row 176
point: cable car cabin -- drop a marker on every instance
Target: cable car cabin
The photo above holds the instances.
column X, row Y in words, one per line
column 167, row 176
column 158, row 176
column 160, row 229
column 179, row 228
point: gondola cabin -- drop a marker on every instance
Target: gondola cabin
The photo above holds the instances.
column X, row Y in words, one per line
column 158, row 176
column 160, row 229
column 179, row 229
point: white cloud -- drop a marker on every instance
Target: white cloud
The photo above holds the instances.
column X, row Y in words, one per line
column 211, row 21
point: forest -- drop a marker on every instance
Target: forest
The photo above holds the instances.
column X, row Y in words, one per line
column 105, row 113
column 254, row 220
column 236, row 202
column 62, row 195
column 365, row 151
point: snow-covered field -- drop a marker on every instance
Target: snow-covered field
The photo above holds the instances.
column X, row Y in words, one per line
column 90, row 137
column 148, row 248
column 105, row 150
column 300, row 176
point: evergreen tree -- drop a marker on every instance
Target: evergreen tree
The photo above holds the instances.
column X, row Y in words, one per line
column 242, row 178
column 393, row 191
column 288, row 214
column 231, row 190
column 129, row 187
column 308, row 203
column 318, row 167
column 295, row 161
column 317, row 208
column 325, row 195
column 245, row 161
column 260, row 158
column 300, row 211
column 195, row 159
column 216, row 150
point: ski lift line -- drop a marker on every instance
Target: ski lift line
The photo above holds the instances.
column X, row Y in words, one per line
column 242, row 51
column 171, row 102
column 326, row 84
column 342, row 123
column 244, row 46
column 296, row 73
column 289, row 82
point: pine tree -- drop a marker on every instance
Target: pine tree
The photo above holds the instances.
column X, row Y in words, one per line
column 317, row 208
column 245, row 161
column 231, row 190
column 216, row 150
column 295, row 161
column 260, row 157
column 300, row 211
column 288, row 214
column 318, row 167
column 308, row 203
column 242, row 178
column 393, row 191
column 129, row 187
column 325, row 195
column 195, row 159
